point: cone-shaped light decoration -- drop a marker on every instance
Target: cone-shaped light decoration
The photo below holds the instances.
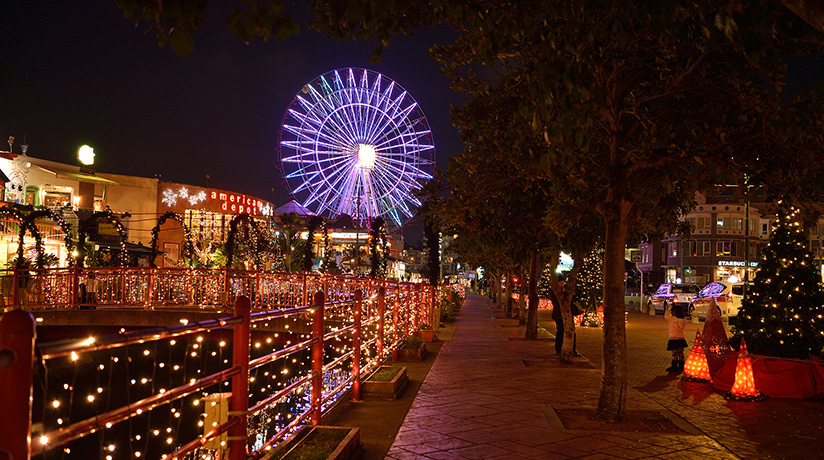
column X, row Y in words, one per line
column 744, row 386
column 696, row 368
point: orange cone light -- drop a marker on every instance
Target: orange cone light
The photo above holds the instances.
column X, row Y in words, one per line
column 744, row 386
column 696, row 367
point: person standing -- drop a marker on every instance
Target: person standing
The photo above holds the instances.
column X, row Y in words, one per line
column 676, row 344
column 91, row 289
column 559, row 321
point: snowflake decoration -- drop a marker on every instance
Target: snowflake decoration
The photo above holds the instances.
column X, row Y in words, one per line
column 194, row 199
column 169, row 197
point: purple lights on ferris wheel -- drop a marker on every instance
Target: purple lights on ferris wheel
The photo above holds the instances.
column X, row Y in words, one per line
column 355, row 142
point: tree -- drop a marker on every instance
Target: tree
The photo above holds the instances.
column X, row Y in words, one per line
column 640, row 104
column 378, row 249
column 783, row 313
column 648, row 101
column 591, row 280
column 308, row 250
column 291, row 246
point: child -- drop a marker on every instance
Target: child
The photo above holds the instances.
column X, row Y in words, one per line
column 676, row 343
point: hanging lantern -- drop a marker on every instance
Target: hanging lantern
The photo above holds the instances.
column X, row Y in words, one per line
column 744, row 387
column 696, row 368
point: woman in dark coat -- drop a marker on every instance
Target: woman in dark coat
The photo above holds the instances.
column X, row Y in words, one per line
column 559, row 322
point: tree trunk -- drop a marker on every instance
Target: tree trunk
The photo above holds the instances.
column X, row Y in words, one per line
column 566, row 313
column 508, row 295
column 522, row 294
column 532, row 309
column 496, row 288
column 612, row 402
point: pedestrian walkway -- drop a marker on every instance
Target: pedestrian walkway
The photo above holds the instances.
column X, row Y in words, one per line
column 490, row 394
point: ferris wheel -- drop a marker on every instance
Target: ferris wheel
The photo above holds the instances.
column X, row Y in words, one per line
column 355, row 142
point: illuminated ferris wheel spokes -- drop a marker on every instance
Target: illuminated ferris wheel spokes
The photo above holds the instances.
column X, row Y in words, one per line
column 354, row 142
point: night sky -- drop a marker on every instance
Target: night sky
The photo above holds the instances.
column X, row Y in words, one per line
column 73, row 75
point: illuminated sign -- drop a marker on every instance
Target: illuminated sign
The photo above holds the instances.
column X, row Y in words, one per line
column 178, row 198
column 235, row 202
column 735, row 263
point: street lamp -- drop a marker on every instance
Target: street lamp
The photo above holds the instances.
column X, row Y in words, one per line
column 85, row 155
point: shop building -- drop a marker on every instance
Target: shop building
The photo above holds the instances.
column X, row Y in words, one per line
column 726, row 242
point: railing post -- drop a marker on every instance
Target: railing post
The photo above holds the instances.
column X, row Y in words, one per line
column 381, row 320
column 305, row 300
column 356, row 346
column 17, row 333
column 396, row 330
column 225, row 296
column 431, row 314
column 15, row 287
column 150, row 289
column 239, row 402
column 317, row 359
column 408, row 303
column 74, row 289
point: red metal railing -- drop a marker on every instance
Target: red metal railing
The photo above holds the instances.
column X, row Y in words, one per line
column 340, row 311
column 153, row 288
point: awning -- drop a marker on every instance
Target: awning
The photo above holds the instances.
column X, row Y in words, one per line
column 130, row 247
column 83, row 177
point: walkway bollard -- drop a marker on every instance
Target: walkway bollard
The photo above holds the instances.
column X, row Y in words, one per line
column 239, row 402
column 17, row 333
column 317, row 359
column 356, row 346
column 381, row 319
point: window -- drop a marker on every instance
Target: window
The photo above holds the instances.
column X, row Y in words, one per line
column 703, row 223
column 696, row 248
column 721, row 222
column 737, row 223
column 726, row 248
column 673, row 249
column 691, row 222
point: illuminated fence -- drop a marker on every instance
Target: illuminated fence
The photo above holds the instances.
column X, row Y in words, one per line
column 152, row 288
column 200, row 390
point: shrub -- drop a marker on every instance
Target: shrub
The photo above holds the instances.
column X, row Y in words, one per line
column 412, row 343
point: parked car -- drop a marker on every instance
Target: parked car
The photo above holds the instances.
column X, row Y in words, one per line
column 669, row 294
column 727, row 296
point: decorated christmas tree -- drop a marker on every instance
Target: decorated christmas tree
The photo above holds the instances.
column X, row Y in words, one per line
column 589, row 287
column 544, row 282
column 783, row 311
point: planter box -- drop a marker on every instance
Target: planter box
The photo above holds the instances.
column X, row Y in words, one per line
column 350, row 447
column 385, row 390
column 428, row 335
column 407, row 354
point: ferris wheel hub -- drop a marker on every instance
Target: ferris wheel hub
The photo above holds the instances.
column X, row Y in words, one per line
column 366, row 156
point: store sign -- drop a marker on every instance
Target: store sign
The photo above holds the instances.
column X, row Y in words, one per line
column 235, row 203
column 178, row 198
column 735, row 263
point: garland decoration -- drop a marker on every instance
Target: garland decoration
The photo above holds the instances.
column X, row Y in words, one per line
column 188, row 246
column 110, row 217
column 231, row 239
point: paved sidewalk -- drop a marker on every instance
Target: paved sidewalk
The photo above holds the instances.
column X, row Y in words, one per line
column 491, row 395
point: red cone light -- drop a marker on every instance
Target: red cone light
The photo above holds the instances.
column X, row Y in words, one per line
column 696, row 367
column 744, row 386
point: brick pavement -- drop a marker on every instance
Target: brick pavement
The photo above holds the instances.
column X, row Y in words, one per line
column 481, row 400
column 775, row 428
